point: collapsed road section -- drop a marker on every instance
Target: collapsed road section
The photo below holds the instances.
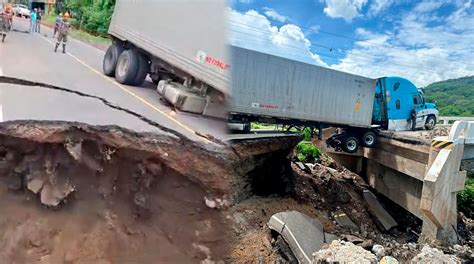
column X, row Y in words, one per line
column 100, row 193
column 319, row 211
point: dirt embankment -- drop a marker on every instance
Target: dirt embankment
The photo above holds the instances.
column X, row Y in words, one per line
column 320, row 192
column 71, row 193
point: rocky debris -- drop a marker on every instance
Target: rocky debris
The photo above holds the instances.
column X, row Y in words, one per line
column 439, row 131
column 388, row 260
column 343, row 252
column 378, row 250
column 462, row 251
column 53, row 195
column 434, row 255
column 353, row 239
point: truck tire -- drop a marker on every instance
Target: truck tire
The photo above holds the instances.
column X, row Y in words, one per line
column 110, row 59
column 143, row 69
column 127, row 67
column 368, row 139
column 350, row 144
column 430, row 122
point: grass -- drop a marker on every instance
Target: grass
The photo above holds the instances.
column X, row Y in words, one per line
column 49, row 19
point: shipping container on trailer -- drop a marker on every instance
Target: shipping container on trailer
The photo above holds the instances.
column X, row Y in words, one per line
column 267, row 85
column 184, row 39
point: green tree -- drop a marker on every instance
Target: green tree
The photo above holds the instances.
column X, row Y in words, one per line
column 91, row 15
column 454, row 97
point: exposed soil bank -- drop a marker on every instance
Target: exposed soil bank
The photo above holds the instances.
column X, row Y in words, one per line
column 73, row 193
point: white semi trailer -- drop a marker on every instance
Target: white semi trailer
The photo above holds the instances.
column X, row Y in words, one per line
column 180, row 44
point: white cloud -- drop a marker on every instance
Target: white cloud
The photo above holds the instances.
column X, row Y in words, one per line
column 378, row 6
column 346, row 9
column 414, row 48
column 253, row 30
column 416, row 51
column 273, row 14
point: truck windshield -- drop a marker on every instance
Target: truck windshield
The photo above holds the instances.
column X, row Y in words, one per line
column 417, row 99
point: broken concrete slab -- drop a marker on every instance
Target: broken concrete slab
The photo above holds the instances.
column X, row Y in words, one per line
column 377, row 209
column 328, row 238
column 302, row 166
column 303, row 234
column 343, row 220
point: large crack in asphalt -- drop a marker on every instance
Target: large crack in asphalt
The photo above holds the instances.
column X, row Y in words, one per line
column 117, row 193
column 17, row 81
column 202, row 162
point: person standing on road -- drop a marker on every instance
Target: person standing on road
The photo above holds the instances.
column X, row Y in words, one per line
column 33, row 21
column 62, row 35
column 57, row 24
column 4, row 25
column 39, row 15
column 9, row 13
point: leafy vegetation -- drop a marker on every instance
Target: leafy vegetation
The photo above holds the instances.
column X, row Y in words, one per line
column 466, row 197
column 454, row 97
column 92, row 16
column 254, row 125
column 307, row 152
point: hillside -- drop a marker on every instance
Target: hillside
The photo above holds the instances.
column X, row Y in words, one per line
column 454, row 97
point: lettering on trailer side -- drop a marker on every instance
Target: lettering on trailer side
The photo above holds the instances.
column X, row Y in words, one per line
column 202, row 57
column 267, row 106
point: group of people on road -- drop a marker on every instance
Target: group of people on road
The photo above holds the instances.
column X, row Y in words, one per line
column 35, row 20
column 61, row 26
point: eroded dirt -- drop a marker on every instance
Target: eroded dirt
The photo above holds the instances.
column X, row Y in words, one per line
column 71, row 193
column 319, row 192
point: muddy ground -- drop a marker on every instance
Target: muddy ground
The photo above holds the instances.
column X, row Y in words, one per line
column 68, row 196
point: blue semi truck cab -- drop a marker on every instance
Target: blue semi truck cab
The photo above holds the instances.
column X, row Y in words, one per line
column 399, row 106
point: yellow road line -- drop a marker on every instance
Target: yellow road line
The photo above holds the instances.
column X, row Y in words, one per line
column 133, row 94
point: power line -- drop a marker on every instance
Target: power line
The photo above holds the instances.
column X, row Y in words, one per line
column 311, row 43
column 394, row 68
column 341, row 52
column 352, row 38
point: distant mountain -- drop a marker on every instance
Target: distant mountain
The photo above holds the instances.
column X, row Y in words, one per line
column 454, row 97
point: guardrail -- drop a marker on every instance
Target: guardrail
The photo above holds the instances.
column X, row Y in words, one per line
column 449, row 120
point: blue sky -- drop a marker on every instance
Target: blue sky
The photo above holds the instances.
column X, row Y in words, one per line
column 425, row 41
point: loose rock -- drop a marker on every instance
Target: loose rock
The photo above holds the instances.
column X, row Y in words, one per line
column 378, row 250
column 433, row 255
column 388, row 260
column 343, row 252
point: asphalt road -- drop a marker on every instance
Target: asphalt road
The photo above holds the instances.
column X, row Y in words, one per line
column 31, row 57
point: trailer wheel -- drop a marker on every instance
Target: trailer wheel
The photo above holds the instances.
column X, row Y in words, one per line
column 350, row 144
column 143, row 69
column 368, row 139
column 127, row 67
column 430, row 122
column 110, row 59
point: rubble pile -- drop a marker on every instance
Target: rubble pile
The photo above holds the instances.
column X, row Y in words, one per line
column 433, row 255
column 341, row 251
column 342, row 203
